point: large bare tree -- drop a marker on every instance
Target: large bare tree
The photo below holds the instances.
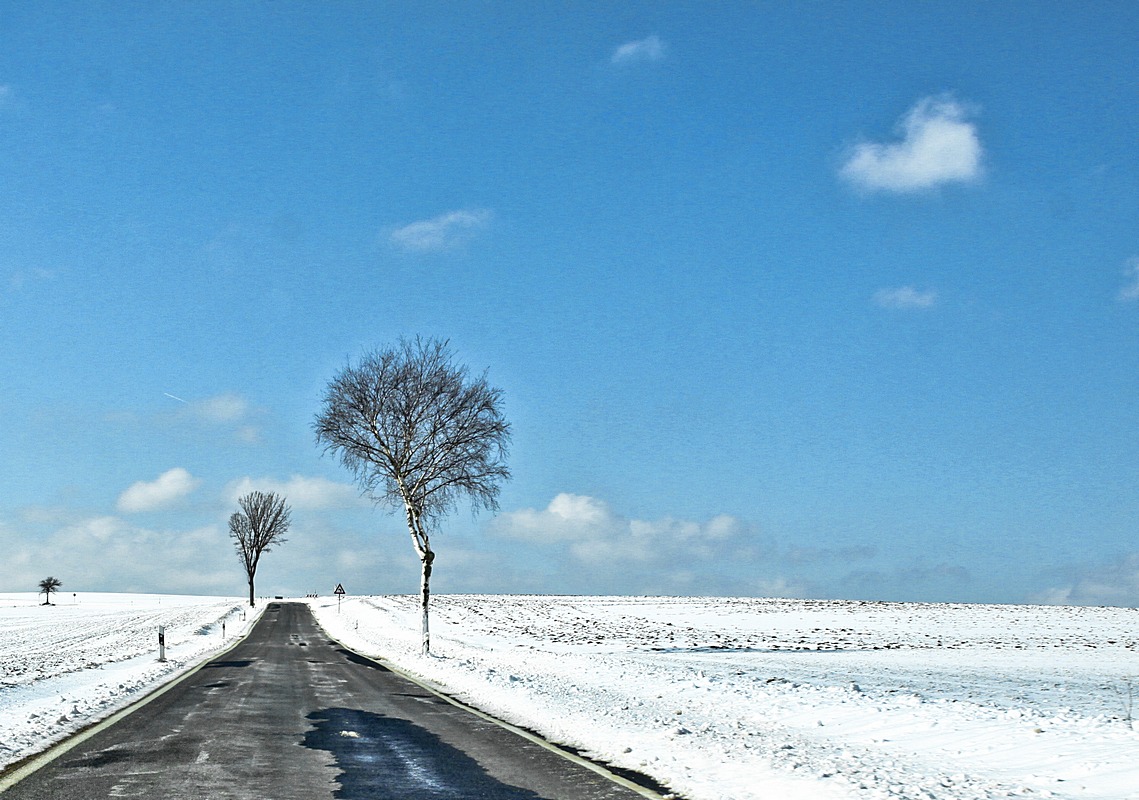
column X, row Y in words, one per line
column 419, row 433
column 257, row 528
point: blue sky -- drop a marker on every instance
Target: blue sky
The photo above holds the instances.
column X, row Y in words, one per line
column 823, row 300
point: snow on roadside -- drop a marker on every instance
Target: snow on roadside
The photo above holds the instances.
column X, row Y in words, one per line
column 747, row 698
column 65, row 666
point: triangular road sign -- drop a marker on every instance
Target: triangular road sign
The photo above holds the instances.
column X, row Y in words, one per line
column 339, row 589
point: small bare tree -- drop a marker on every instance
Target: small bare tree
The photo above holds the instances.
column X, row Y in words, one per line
column 418, row 433
column 47, row 586
column 257, row 528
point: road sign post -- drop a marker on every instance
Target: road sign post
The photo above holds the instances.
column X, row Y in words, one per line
column 161, row 642
column 339, row 594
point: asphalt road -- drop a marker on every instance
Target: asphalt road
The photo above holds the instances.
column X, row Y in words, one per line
column 290, row 714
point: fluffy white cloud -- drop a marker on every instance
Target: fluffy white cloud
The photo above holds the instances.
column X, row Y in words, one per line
column 168, row 487
column 300, row 492
column 938, row 145
column 651, row 48
column 444, row 232
column 596, row 535
column 1131, row 290
column 568, row 517
column 904, row 297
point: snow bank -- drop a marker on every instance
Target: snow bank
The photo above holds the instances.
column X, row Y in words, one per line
column 65, row 666
column 748, row 698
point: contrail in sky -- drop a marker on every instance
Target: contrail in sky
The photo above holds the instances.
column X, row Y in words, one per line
column 173, row 397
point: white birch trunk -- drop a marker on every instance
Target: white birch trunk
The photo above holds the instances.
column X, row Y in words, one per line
column 426, row 557
column 424, row 595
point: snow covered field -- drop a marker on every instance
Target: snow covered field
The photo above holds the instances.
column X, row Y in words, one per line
column 748, row 698
column 714, row 698
column 70, row 664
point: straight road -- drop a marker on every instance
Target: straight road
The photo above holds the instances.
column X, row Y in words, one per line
column 290, row 714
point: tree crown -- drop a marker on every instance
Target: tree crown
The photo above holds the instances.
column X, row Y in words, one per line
column 416, row 430
column 259, row 526
column 49, row 585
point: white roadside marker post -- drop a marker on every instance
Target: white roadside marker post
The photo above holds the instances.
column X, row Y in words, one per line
column 161, row 642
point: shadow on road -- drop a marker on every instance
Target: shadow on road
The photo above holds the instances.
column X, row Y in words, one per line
column 386, row 758
column 356, row 658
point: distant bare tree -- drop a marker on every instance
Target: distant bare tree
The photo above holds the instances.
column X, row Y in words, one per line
column 418, row 433
column 257, row 528
column 47, row 586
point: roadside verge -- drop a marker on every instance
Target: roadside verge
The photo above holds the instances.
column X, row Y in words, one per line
column 18, row 770
column 634, row 782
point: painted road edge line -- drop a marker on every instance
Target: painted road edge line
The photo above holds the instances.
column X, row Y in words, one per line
column 530, row 736
column 14, row 774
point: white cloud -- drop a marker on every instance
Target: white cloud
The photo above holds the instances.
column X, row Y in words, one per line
column 227, row 411
column 300, row 492
column 779, row 587
column 107, row 553
column 444, row 232
column 95, row 552
column 1115, row 583
column 23, row 278
column 596, row 535
column 578, row 510
column 248, row 434
column 568, row 517
column 1131, row 290
column 222, row 408
column 168, row 487
column 651, row 48
column 904, row 297
column 938, row 145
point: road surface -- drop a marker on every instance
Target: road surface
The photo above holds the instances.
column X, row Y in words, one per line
column 290, row 714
